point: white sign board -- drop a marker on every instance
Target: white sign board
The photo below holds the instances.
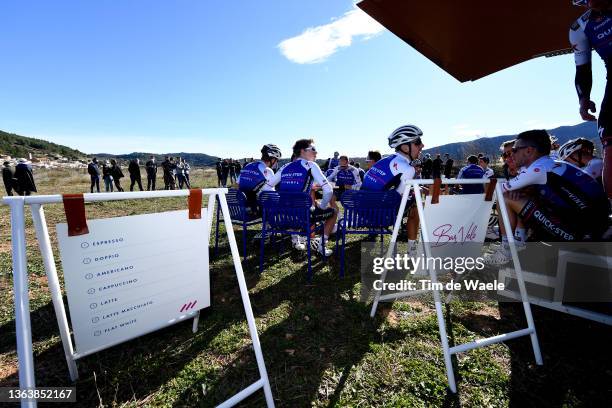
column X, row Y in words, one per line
column 457, row 224
column 133, row 275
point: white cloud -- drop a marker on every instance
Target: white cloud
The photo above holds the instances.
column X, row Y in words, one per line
column 316, row 44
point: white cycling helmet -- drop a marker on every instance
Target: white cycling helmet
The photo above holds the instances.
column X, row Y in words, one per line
column 272, row 151
column 404, row 134
column 574, row 146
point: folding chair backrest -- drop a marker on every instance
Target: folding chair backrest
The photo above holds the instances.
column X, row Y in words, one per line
column 237, row 202
column 370, row 209
column 285, row 210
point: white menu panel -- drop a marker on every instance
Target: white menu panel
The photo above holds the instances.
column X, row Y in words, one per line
column 132, row 275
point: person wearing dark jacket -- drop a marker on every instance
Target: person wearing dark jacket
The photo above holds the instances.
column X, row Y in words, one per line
column 225, row 169
column 117, row 174
column 107, row 177
column 448, row 166
column 436, row 168
column 94, row 173
column 25, row 178
column 151, row 167
column 218, row 168
column 134, row 170
column 427, row 167
column 168, row 167
column 8, row 178
column 232, row 171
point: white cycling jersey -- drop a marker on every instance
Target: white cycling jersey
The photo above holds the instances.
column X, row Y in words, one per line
column 299, row 175
column 594, row 168
column 348, row 176
column 392, row 172
column 534, row 174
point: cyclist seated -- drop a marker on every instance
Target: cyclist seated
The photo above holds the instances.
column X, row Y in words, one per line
column 300, row 175
column 579, row 152
column 253, row 177
column 394, row 171
column 556, row 200
column 509, row 169
column 471, row 171
column 345, row 176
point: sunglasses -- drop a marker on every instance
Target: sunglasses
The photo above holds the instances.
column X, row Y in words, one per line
column 310, row 149
column 418, row 142
column 517, row 148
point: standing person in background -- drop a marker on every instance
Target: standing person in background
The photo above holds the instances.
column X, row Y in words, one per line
column 483, row 162
column 225, row 168
column 174, row 168
column 448, row 166
column 25, row 178
column 134, row 170
column 436, row 168
column 232, row 171
column 180, row 174
column 94, row 173
column 168, row 176
column 427, row 167
column 151, row 168
column 218, row 168
column 332, row 162
column 238, row 169
column 186, row 170
column 117, row 174
column 8, row 177
column 107, row 177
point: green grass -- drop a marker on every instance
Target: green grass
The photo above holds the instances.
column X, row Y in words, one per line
column 320, row 346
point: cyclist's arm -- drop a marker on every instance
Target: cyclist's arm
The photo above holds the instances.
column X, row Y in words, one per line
column 333, row 175
column 406, row 176
column 583, row 81
column 274, row 180
column 582, row 56
column 526, row 177
column 326, row 188
column 357, row 176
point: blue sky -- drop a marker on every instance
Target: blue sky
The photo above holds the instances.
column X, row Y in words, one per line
column 225, row 77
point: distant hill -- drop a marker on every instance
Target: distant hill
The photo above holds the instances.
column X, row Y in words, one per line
column 194, row 159
column 490, row 145
column 20, row 146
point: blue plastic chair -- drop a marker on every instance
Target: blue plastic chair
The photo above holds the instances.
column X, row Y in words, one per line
column 286, row 212
column 241, row 215
column 366, row 212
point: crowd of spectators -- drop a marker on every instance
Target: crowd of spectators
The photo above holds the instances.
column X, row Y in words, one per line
column 175, row 174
